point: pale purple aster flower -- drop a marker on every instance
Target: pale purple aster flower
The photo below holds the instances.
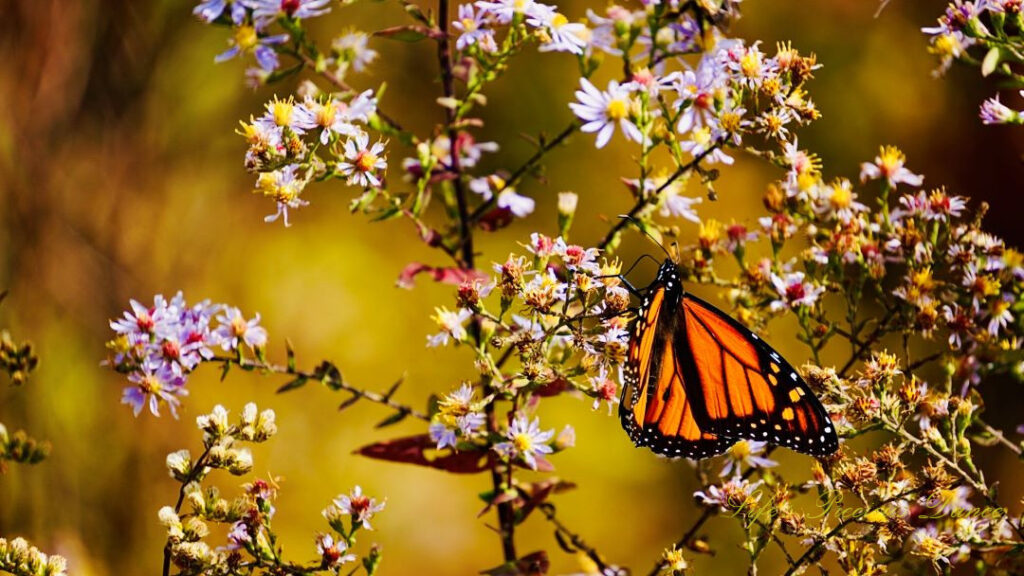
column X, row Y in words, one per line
column 564, row 36
column 946, row 501
column 235, row 329
column 210, row 10
column 154, row 383
column 328, row 117
column 521, row 206
column 284, row 186
column 505, row 10
column 602, row 31
column 889, row 165
column 995, row 112
column 353, row 50
column 264, row 12
column 360, row 507
column 288, row 114
column 482, row 186
column 704, row 139
column 675, row 204
column 451, row 324
column 362, row 161
column 794, row 292
column 840, row 200
column 1000, row 315
column 577, row 257
column 526, row 441
column 473, row 27
column 732, row 493
column 332, row 554
column 239, row 536
column 697, row 90
column 247, row 40
column 746, row 452
column 749, row 66
column 601, row 111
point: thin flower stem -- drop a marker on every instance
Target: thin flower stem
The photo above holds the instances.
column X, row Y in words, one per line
column 998, row 435
column 518, row 173
column 340, row 84
column 575, row 539
column 839, row 527
column 687, row 539
column 197, row 469
column 336, row 383
column 643, row 201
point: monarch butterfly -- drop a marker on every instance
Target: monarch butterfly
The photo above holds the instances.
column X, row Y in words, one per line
column 696, row 381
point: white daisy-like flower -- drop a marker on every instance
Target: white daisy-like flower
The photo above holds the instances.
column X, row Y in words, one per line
column 601, row 111
column 362, row 161
column 521, row 206
column 563, row 35
column 794, row 292
column 473, row 27
column 889, row 165
column 526, row 441
column 451, row 324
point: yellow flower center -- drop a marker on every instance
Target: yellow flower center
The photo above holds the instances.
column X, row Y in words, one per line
column 890, row 160
column 469, row 25
column 238, row 326
column 282, row 110
column 150, row 384
column 522, row 442
column 617, row 109
column 246, row 37
column 558, row 21
column 702, row 136
column 730, row 121
column 366, row 161
column 326, row 114
column 750, row 65
column 740, row 450
column 945, row 46
column 806, row 181
column 842, row 197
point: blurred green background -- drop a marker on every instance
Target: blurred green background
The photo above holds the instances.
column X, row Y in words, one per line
column 121, row 177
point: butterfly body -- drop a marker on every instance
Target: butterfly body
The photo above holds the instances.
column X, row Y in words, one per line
column 696, row 381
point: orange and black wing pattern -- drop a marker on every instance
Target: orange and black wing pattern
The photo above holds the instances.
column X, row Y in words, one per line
column 745, row 388
column 655, row 409
column 697, row 380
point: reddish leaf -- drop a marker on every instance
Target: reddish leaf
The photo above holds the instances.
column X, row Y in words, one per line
column 553, row 388
column 420, row 450
column 448, row 275
column 533, row 494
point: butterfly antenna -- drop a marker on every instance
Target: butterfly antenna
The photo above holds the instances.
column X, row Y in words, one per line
column 643, row 230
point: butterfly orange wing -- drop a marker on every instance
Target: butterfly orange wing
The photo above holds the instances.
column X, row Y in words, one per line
column 655, row 409
column 743, row 388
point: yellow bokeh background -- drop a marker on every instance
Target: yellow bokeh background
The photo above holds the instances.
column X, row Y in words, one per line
column 121, row 177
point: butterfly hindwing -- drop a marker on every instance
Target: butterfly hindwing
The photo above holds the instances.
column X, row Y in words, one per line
column 655, row 409
column 746, row 389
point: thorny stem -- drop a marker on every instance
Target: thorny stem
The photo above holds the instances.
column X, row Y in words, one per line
column 336, row 383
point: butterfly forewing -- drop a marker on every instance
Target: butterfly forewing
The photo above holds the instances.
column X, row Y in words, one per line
column 655, row 409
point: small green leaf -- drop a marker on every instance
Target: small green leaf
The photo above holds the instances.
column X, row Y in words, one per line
column 348, row 403
column 293, row 384
column 391, row 420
